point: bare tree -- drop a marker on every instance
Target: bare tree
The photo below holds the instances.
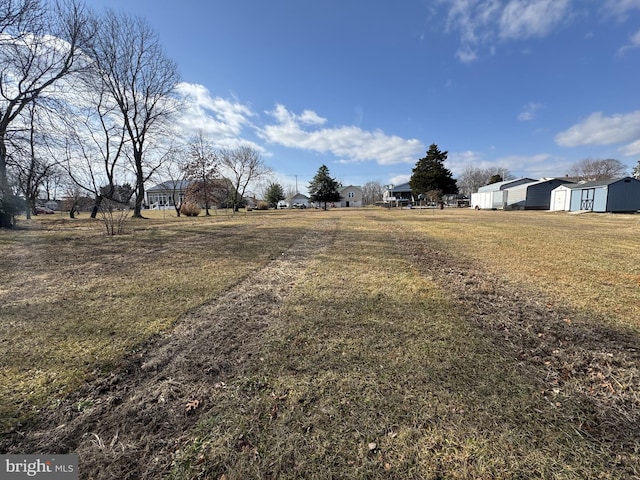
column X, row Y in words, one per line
column 290, row 192
column 176, row 172
column 32, row 162
column 244, row 165
column 38, row 47
column 140, row 79
column 598, row 169
column 472, row 178
column 202, row 166
column 372, row 193
column 95, row 141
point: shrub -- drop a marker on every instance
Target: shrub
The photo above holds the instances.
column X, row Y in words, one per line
column 190, row 209
column 262, row 206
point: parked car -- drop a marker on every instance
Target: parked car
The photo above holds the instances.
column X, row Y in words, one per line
column 299, row 205
column 45, row 210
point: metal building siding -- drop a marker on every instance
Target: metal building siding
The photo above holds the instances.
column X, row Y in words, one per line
column 624, row 196
column 517, row 196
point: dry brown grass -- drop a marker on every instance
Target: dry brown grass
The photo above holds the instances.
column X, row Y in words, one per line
column 73, row 301
column 589, row 261
column 373, row 371
column 445, row 344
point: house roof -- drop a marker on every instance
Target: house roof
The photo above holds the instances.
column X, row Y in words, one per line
column 342, row 189
column 170, row 185
column 404, row 187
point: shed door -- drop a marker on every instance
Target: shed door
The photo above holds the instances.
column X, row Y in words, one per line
column 586, row 201
column 559, row 199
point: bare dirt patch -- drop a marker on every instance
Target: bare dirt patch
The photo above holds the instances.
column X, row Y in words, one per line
column 129, row 424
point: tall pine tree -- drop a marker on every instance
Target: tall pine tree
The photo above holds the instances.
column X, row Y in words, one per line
column 323, row 188
column 430, row 175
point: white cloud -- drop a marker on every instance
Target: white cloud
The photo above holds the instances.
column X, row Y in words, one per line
column 634, row 42
column 482, row 23
column 600, row 130
column 529, row 111
column 535, row 166
column 631, row 150
column 219, row 118
column 458, row 161
column 399, row 179
column 621, row 8
column 351, row 144
column 532, row 18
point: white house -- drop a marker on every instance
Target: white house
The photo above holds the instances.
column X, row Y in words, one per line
column 351, row 196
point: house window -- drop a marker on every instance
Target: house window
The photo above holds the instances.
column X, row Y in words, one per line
column 351, row 194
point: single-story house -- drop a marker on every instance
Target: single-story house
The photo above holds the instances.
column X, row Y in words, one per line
column 534, row 195
column 614, row 195
column 494, row 195
column 300, row 200
column 171, row 192
column 351, row 196
column 166, row 194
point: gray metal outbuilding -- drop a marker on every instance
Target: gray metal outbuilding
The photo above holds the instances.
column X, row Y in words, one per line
column 494, row 195
column 533, row 196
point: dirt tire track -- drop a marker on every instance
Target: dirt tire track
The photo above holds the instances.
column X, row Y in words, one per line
column 138, row 416
column 575, row 358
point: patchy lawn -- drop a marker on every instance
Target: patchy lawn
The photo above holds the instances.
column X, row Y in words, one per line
column 360, row 343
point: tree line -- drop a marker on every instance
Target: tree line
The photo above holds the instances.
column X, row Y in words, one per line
column 87, row 101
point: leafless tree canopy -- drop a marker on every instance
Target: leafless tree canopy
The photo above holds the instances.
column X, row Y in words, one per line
column 132, row 68
column 473, row 178
column 598, row 169
column 244, row 165
column 39, row 46
column 202, row 167
column 371, row 193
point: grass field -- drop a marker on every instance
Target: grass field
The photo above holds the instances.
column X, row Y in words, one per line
column 407, row 344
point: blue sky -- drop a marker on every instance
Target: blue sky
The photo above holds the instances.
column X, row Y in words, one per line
column 366, row 87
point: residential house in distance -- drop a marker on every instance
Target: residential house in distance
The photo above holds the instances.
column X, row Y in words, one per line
column 351, row 196
column 614, row 195
column 300, row 200
column 395, row 195
column 166, row 194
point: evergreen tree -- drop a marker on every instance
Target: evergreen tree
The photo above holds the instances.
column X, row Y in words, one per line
column 430, row 174
column 495, row 178
column 323, row 188
column 274, row 194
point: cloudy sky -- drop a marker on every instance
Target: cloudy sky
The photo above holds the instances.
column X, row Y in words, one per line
column 366, row 87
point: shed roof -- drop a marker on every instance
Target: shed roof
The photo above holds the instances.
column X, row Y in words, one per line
column 494, row 187
column 600, row 183
column 542, row 182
